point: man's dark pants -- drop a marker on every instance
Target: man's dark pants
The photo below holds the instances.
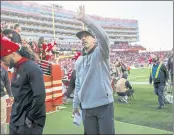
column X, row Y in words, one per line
column 159, row 91
column 99, row 120
column 25, row 130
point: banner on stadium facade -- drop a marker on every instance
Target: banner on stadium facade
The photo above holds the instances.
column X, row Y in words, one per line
column 126, row 50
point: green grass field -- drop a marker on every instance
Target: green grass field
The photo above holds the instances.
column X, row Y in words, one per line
column 61, row 123
column 142, row 110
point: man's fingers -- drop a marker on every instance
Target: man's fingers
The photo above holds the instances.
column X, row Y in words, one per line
column 76, row 112
column 80, row 8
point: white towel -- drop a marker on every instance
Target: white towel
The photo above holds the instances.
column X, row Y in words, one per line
column 78, row 118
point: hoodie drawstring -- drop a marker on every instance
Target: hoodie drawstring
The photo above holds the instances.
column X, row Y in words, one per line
column 83, row 61
column 87, row 60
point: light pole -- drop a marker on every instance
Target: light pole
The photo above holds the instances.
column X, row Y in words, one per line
column 53, row 22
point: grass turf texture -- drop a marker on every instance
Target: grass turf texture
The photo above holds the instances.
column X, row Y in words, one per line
column 61, row 123
column 142, row 110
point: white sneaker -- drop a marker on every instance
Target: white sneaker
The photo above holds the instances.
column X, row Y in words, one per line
column 123, row 99
column 120, row 99
column 126, row 97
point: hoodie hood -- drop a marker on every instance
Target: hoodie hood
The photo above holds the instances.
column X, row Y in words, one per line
column 87, row 53
column 84, row 53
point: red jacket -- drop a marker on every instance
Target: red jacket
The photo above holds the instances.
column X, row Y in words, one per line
column 47, row 50
column 50, row 46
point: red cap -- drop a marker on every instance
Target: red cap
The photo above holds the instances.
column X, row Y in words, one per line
column 7, row 47
column 76, row 56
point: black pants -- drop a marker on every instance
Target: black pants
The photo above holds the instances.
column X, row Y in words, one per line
column 99, row 120
column 159, row 91
column 25, row 130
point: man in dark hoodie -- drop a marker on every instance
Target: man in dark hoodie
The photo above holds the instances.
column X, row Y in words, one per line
column 93, row 92
column 28, row 110
column 159, row 76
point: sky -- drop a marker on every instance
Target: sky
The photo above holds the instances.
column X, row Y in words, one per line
column 155, row 18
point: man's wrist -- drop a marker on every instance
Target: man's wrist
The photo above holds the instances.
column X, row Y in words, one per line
column 75, row 106
column 85, row 20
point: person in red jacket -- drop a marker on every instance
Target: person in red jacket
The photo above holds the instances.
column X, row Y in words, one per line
column 48, row 51
column 44, row 47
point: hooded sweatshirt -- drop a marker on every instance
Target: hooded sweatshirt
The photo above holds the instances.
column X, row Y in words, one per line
column 93, row 81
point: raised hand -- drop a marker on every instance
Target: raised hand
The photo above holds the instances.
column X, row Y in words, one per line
column 80, row 13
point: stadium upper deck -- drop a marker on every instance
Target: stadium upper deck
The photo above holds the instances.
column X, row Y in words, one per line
column 36, row 21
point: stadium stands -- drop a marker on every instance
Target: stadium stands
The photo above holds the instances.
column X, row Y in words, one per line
column 36, row 21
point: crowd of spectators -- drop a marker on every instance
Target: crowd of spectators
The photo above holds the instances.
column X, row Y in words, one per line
column 134, row 59
column 126, row 46
column 137, row 59
column 70, row 47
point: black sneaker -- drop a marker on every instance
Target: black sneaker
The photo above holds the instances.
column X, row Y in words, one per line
column 160, row 107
